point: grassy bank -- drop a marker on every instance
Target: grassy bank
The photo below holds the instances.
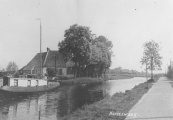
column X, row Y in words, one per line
column 116, row 77
column 83, row 80
column 119, row 102
column 88, row 80
column 171, row 84
column 130, row 75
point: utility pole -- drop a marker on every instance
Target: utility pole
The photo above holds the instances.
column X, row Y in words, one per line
column 170, row 71
column 55, row 65
column 41, row 67
column 146, row 72
column 152, row 67
column 170, row 61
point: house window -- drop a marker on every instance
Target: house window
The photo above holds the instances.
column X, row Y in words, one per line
column 69, row 70
column 37, row 71
column 60, row 71
column 29, row 83
column 15, row 82
column 36, row 82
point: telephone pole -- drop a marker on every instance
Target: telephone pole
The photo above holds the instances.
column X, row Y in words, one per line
column 41, row 65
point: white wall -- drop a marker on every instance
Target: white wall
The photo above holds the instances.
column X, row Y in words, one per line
column 42, row 82
column 1, row 82
column 64, row 71
column 11, row 82
column 23, row 82
column 44, row 70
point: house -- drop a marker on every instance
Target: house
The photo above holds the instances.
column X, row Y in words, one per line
column 7, row 73
column 50, row 59
column 124, row 71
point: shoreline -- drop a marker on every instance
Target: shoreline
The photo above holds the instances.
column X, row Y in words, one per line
column 115, row 107
column 89, row 80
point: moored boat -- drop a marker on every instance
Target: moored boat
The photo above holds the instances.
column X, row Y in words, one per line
column 27, row 85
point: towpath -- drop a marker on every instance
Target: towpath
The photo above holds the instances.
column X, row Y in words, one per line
column 156, row 104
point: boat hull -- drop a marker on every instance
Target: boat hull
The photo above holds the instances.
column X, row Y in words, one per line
column 31, row 89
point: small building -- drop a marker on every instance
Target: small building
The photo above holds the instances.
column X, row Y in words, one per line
column 7, row 73
column 50, row 59
column 124, row 71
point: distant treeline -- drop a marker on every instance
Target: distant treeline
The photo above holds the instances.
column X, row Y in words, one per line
column 91, row 54
column 170, row 72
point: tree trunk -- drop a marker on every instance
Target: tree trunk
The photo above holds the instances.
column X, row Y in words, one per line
column 151, row 74
column 75, row 70
column 151, row 67
column 92, row 71
column 86, row 68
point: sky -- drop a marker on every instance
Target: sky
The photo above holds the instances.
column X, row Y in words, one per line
column 127, row 23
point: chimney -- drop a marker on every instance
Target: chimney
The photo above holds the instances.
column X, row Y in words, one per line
column 48, row 49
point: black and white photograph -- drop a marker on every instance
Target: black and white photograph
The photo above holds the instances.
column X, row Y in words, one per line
column 86, row 59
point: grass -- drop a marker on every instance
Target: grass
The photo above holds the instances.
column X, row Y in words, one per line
column 88, row 80
column 119, row 102
column 83, row 80
column 171, row 82
column 116, row 77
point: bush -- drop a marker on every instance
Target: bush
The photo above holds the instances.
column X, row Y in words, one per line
column 62, row 77
column 151, row 80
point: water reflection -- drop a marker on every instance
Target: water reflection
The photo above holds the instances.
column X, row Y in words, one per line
column 55, row 104
column 50, row 105
column 114, row 86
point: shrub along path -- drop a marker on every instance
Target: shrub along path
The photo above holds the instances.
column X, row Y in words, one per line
column 156, row 104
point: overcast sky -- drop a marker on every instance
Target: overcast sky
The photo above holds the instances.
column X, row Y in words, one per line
column 127, row 23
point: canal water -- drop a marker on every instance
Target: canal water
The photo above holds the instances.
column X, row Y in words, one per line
column 58, row 103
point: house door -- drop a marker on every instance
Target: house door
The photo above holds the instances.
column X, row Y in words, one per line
column 60, row 71
column 5, row 81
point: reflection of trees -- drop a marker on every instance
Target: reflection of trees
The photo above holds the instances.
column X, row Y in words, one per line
column 59, row 103
column 52, row 103
column 12, row 105
column 15, row 109
column 74, row 97
column 66, row 102
column 28, row 102
column 4, row 112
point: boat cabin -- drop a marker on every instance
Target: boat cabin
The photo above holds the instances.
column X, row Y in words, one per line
column 22, row 82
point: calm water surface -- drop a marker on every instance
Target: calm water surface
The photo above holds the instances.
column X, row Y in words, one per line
column 60, row 102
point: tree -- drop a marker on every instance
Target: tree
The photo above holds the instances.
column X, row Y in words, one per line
column 75, row 46
column 50, row 72
column 91, row 54
column 170, row 72
column 151, row 57
column 12, row 66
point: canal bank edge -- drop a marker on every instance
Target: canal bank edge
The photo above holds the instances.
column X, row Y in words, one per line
column 82, row 80
column 112, row 108
column 88, row 80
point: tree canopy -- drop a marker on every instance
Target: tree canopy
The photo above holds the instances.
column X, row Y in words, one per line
column 170, row 72
column 12, row 66
column 151, row 56
column 91, row 54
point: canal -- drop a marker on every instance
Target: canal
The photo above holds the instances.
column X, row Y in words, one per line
column 58, row 103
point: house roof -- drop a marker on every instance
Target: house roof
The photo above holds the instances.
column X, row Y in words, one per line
column 50, row 59
column 35, row 62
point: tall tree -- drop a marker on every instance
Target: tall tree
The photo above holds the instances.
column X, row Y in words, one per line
column 12, row 66
column 151, row 57
column 91, row 54
column 100, row 57
column 76, row 45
